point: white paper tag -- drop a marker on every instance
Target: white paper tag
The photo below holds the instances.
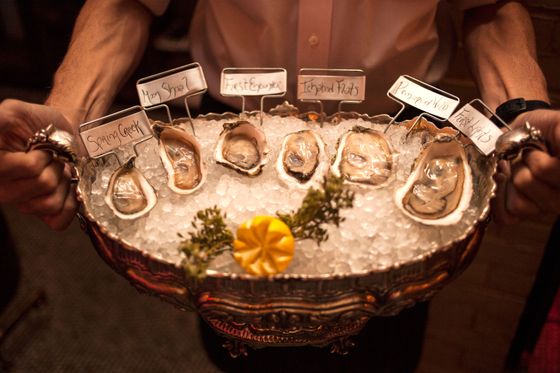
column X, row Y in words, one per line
column 331, row 87
column 108, row 136
column 253, row 84
column 477, row 127
column 167, row 88
column 427, row 100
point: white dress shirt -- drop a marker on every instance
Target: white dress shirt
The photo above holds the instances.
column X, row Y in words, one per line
column 385, row 38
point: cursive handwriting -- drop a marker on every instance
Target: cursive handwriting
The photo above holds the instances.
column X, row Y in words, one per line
column 318, row 87
column 472, row 127
column 167, row 90
column 232, row 84
column 435, row 101
column 104, row 140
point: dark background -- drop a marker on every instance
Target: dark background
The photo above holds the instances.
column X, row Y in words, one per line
column 93, row 320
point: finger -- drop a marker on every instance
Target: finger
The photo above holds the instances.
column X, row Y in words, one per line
column 49, row 204
column 504, row 168
column 19, row 165
column 518, row 205
column 548, row 122
column 543, row 166
column 19, row 116
column 22, row 190
column 63, row 219
column 539, row 193
column 498, row 203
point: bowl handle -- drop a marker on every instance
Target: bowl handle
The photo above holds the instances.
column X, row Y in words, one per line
column 512, row 143
column 60, row 143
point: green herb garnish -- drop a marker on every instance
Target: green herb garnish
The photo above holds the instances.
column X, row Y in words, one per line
column 319, row 207
column 210, row 238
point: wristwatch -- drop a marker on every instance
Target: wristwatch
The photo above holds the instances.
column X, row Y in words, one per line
column 510, row 109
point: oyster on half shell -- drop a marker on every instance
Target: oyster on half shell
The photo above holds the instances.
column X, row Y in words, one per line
column 440, row 186
column 364, row 157
column 302, row 161
column 129, row 194
column 242, row 147
column 180, row 153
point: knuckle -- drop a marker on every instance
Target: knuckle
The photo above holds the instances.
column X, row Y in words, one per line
column 517, row 207
column 538, row 167
column 47, row 182
column 522, row 179
column 34, row 166
column 49, row 205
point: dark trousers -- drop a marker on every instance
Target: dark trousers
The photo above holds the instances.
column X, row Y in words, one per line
column 386, row 344
column 9, row 265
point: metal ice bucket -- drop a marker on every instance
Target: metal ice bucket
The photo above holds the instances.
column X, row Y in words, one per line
column 288, row 309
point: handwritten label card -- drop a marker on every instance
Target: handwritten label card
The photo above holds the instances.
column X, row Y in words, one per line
column 105, row 137
column 331, row 87
column 168, row 87
column 430, row 101
column 252, row 84
column 477, row 127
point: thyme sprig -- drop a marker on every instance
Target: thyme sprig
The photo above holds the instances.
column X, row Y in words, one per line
column 210, row 238
column 319, row 207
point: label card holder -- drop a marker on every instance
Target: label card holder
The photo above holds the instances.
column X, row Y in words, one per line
column 104, row 135
column 433, row 102
column 344, row 85
column 477, row 126
column 184, row 81
column 265, row 82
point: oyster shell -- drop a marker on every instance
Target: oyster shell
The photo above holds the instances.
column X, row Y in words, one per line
column 302, row 161
column 180, row 153
column 129, row 194
column 364, row 157
column 439, row 187
column 242, row 147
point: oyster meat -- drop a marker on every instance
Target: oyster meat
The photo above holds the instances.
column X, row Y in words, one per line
column 439, row 187
column 302, row 161
column 242, row 147
column 180, row 153
column 129, row 194
column 364, row 157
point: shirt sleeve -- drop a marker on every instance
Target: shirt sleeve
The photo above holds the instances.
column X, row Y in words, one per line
column 468, row 4
column 157, row 7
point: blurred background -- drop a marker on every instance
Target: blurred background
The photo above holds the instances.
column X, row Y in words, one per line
column 73, row 313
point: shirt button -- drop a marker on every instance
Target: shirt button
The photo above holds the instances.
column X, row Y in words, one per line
column 313, row 40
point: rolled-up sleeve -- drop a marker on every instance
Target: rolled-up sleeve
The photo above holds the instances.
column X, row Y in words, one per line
column 157, row 7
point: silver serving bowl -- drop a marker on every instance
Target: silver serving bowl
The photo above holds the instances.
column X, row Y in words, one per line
column 289, row 309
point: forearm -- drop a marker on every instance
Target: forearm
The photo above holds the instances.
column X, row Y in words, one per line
column 500, row 45
column 108, row 41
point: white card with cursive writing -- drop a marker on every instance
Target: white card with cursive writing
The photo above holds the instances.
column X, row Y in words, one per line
column 331, row 87
column 253, row 84
column 167, row 88
column 108, row 136
column 430, row 101
column 477, row 127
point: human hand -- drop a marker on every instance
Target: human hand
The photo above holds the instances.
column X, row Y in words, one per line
column 35, row 182
column 530, row 186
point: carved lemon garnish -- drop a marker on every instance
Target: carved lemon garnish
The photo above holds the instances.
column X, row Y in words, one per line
column 264, row 245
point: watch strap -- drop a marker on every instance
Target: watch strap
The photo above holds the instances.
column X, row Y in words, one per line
column 510, row 109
